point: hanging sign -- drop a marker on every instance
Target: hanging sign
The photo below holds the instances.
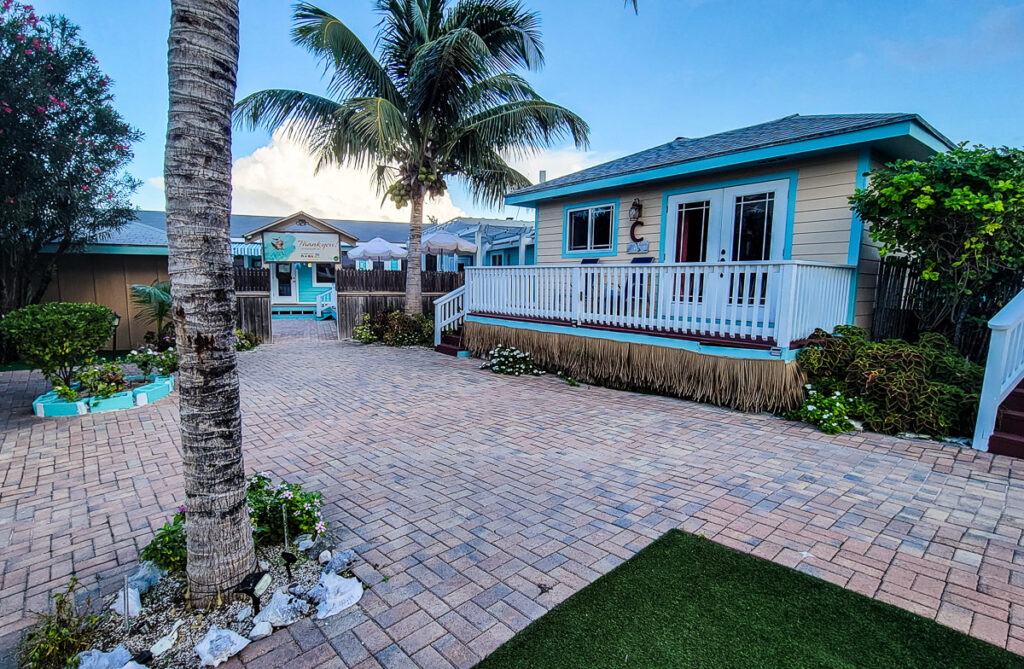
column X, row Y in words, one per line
column 300, row 247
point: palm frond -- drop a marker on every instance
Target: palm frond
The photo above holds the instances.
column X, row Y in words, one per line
column 521, row 126
column 443, row 69
column 154, row 300
column 356, row 71
column 303, row 112
column 489, row 178
column 511, row 33
column 377, row 124
column 495, row 90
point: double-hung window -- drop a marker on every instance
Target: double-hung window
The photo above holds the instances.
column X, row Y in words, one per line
column 590, row 228
column 323, row 274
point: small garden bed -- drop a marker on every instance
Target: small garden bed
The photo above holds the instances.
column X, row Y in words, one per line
column 685, row 601
column 137, row 391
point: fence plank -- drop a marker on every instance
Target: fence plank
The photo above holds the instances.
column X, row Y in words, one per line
column 393, row 281
column 253, row 315
column 252, row 280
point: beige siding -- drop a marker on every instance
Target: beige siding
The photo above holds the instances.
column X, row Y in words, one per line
column 867, row 275
column 105, row 279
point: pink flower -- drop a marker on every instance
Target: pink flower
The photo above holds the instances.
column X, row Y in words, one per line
column 287, row 494
column 110, row 196
column 85, row 188
column 63, row 105
column 21, row 38
column 49, row 67
column 40, row 110
column 96, row 170
column 29, row 52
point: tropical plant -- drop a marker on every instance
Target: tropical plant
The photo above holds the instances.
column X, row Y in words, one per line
column 510, row 360
column 440, row 100
column 269, row 504
column 154, row 302
column 829, row 412
column 246, row 341
column 59, row 636
column 58, row 337
column 63, row 151
column 958, row 219
column 202, row 69
column 168, row 549
column 99, row 382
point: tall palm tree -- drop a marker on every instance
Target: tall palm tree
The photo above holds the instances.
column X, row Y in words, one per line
column 202, row 64
column 441, row 99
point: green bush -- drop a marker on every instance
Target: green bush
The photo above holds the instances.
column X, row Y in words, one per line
column 829, row 412
column 167, row 549
column 58, row 337
column 58, row 637
column 395, row 328
column 894, row 386
column 266, row 501
column 246, row 341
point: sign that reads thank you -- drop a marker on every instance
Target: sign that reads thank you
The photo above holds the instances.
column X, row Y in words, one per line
column 300, row 247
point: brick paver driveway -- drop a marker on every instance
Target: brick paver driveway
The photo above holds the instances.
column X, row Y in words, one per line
column 486, row 500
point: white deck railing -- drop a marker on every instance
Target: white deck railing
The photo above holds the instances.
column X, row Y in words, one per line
column 449, row 312
column 1004, row 367
column 771, row 301
column 326, row 300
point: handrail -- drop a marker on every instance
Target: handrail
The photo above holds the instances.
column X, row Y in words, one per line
column 755, row 263
column 325, row 300
column 1004, row 367
column 449, row 309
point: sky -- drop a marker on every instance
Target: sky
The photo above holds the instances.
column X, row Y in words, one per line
column 678, row 68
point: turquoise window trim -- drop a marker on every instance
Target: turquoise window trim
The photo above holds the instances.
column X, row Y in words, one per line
column 667, row 342
column 904, row 129
column 602, row 253
column 791, row 175
column 857, row 231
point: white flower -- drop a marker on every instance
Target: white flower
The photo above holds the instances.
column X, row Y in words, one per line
column 811, row 407
column 808, row 386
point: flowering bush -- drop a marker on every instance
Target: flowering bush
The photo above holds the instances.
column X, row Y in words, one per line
column 161, row 342
column 830, row 413
column 99, row 382
column 512, row 361
column 246, row 341
column 149, row 361
column 266, row 501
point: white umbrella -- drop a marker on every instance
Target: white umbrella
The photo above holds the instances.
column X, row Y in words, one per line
column 377, row 249
column 442, row 242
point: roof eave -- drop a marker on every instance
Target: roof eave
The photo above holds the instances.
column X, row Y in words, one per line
column 914, row 128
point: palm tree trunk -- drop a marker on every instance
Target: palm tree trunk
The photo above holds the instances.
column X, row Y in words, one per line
column 202, row 64
column 413, row 289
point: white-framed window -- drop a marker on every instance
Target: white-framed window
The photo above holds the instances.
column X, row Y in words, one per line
column 323, row 274
column 497, row 260
column 590, row 228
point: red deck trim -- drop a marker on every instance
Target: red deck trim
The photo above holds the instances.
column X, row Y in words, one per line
column 706, row 340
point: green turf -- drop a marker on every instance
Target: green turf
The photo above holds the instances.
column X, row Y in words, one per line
column 685, row 601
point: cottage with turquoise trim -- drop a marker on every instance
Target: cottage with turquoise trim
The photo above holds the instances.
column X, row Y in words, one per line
column 698, row 267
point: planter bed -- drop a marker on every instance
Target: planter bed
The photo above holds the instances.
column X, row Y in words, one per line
column 151, row 389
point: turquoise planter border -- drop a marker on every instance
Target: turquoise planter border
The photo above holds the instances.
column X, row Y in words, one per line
column 49, row 405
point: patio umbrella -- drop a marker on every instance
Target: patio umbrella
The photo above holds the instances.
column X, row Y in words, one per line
column 377, row 249
column 442, row 242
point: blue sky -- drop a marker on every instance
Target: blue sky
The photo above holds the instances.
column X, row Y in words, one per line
column 681, row 67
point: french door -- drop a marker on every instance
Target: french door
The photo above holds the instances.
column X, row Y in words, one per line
column 741, row 224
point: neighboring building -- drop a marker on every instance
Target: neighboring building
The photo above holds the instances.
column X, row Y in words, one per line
column 103, row 271
column 738, row 245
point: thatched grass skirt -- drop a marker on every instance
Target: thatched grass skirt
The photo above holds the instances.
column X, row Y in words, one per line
column 747, row 385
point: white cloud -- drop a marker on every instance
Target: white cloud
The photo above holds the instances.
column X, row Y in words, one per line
column 559, row 162
column 279, row 179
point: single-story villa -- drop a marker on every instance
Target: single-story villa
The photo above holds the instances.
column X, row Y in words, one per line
column 698, row 267
column 302, row 253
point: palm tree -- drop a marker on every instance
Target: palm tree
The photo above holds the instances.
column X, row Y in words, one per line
column 154, row 302
column 202, row 64
column 440, row 100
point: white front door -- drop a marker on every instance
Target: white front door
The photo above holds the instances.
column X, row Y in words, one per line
column 284, row 283
column 740, row 224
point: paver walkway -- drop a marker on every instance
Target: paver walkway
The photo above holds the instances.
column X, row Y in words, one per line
column 486, row 500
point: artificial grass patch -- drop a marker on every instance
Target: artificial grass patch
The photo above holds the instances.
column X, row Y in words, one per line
column 685, row 601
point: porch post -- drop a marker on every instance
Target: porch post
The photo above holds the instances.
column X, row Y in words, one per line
column 479, row 248
column 787, row 306
column 522, row 248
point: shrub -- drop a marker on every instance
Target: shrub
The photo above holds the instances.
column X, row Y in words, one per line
column 161, row 342
column 150, row 362
column 894, row 386
column 830, row 413
column 266, row 501
column 167, row 549
column 395, row 328
column 58, row 337
column 512, row 361
column 246, row 341
column 58, row 637
column 101, row 381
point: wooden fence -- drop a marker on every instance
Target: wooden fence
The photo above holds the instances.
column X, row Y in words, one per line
column 352, row 306
column 895, row 301
column 253, row 314
column 393, row 281
column 252, row 280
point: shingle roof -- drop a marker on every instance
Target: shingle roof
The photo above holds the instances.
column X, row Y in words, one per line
column 134, row 233
column 785, row 130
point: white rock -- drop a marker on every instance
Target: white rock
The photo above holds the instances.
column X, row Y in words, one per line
column 243, row 614
column 334, row 594
column 166, row 642
column 305, row 542
column 283, row 609
column 325, row 557
column 264, row 565
column 97, row 659
column 218, row 645
column 134, row 603
column 132, row 664
column 145, row 577
column 260, row 630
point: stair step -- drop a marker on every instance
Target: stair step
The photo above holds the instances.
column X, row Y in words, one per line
column 1001, row 443
column 1015, row 400
column 454, row 340
column 1010, row 421
column 448, row 349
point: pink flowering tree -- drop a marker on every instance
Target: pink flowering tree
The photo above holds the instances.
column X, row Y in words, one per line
column 63, row 151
